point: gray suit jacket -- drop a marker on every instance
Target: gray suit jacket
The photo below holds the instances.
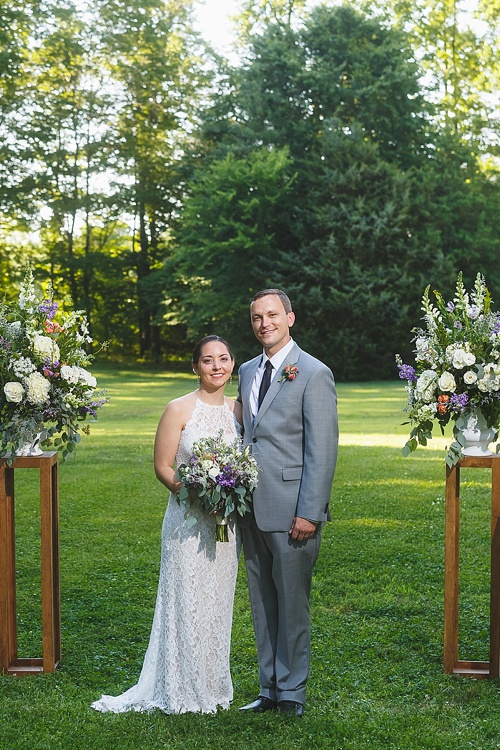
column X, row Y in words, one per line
column 294, row 440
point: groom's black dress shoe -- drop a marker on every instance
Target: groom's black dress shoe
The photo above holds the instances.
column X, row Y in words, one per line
column 259, row 706
column 290, row 708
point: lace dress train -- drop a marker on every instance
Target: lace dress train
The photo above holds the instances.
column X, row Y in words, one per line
column 186, row 667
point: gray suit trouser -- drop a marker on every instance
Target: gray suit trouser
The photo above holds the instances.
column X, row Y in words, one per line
column 279, row 572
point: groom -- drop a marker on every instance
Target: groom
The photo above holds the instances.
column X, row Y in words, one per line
column 290, row 421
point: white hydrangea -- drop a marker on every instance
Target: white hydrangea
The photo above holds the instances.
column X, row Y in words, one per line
column 427, row 411
column 37, row 388
column 491, row 378
column 45, row 348
column 426, row 384
column 424, row 351
column 22, row 367
column 14, row 392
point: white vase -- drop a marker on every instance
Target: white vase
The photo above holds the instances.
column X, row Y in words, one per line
column 476, row 433
column 31, row 449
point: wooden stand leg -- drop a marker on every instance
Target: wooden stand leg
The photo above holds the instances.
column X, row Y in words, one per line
column 452, row 664
column 451, row 569
column 51, row 613
column 8, row 625
column 495, row 572
column 51, row 616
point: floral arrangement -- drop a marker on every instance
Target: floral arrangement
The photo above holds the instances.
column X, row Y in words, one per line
column 457, row 366
column 289, row 372
column 45, row 388
column 221, row 477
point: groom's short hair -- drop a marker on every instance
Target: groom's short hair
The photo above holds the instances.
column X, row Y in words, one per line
column 279, row 293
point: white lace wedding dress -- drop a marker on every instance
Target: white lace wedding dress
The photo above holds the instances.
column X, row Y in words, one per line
column 186, row 667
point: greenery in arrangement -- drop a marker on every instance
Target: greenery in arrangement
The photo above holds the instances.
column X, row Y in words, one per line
column 377, row 680
column 457, row 365
column 46, row 392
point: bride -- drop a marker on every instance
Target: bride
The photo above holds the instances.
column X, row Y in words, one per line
column 186, row 667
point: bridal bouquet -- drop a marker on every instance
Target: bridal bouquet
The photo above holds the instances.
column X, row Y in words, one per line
column 457, row 365
column 45, row 388
column 220, row 477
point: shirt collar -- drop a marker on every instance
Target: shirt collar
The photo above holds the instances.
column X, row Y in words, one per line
column 278, row 358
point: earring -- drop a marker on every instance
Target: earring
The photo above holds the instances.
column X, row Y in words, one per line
column 199, row 381
column 231, row 379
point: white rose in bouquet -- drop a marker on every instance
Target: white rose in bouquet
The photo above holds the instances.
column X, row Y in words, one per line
column 14, row 392
column 447, row 382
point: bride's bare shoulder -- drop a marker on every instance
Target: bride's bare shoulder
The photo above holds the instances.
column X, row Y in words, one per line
column 180, row 409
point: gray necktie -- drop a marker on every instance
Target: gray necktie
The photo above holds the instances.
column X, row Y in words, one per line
column 266, row 381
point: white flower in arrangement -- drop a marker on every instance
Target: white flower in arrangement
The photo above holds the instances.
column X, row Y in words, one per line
column 13, row 329
column 470, row 377
column 426, row 385
column 473, row 312
column 70, row 373
column 27, row 296
column 86, row 378
column 71, row 401
column 490, row 382
column 214, row 471
column 459, row 356
column 447, row 382
column 22, row 367
column 45, row 348
column 37, row 388
column 427, row 411
column 14, row 392
column 423, row 350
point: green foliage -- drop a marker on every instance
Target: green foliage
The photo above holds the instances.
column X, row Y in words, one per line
column 233, row 226
column 377, row 677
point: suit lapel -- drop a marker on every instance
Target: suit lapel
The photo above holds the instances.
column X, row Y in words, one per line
column 277, row 384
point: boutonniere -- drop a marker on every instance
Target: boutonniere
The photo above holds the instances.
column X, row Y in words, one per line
column 289, row 372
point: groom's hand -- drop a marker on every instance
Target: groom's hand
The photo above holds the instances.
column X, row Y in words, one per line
column 302, row 529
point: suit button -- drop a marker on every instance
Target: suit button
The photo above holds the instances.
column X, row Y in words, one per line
column 254, row 440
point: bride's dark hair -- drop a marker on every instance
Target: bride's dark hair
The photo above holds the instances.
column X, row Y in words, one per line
column 205, row 340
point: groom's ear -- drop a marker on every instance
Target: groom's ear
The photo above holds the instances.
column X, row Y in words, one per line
column 291, row 319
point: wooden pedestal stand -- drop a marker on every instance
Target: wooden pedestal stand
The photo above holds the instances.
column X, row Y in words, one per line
column 51, row 613
column 451, row 663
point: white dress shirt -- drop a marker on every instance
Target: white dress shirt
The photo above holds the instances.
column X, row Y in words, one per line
column 277, row 362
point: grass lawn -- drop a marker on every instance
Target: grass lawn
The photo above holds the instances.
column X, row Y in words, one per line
column 377, row 605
